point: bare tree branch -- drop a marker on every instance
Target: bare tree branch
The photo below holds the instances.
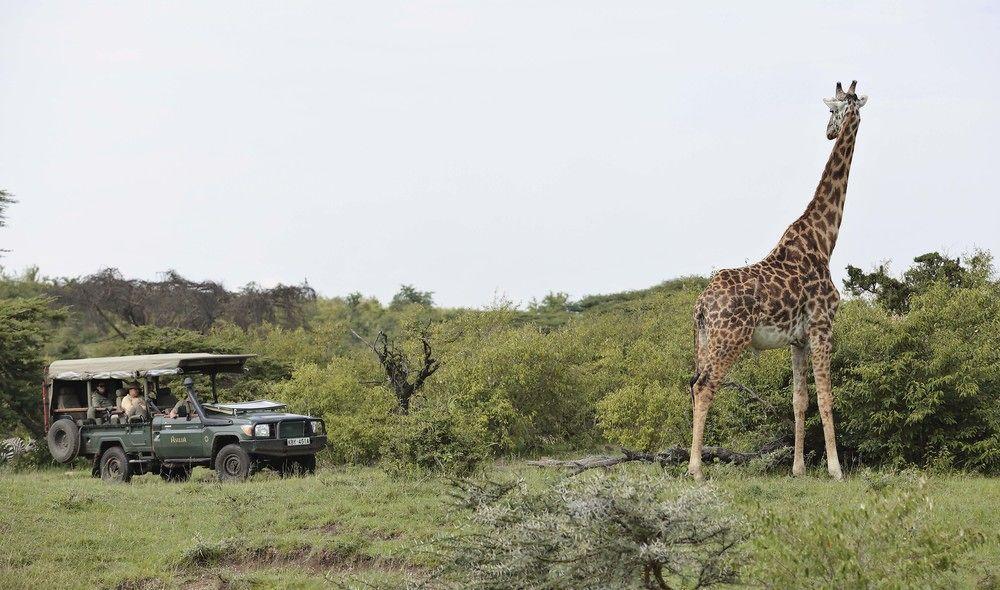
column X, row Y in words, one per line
column 671, row 456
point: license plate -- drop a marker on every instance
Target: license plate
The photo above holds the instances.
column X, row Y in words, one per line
column 296, row 442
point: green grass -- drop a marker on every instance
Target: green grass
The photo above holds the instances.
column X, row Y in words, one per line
column 68, row 530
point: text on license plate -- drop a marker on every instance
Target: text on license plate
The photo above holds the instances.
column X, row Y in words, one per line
column 295, row 442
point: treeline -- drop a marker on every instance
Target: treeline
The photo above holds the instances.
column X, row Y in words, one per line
column 916, row 364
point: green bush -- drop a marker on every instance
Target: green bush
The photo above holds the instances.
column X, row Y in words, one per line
column 888, row 543
column 436, row 437
column 920, row 389
column 357, row 416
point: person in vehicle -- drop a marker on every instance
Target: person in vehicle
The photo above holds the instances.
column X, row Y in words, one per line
column 100, row 396
column 183, row 402
column 134, row 405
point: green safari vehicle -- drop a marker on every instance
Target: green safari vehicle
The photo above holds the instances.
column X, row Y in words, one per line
column 152, row 430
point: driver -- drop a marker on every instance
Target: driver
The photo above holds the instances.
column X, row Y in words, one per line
column 185, row 401
column 175, row 411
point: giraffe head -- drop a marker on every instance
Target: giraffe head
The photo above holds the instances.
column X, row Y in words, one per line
column 841, row 105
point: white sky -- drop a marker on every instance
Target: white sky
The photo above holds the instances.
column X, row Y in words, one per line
column 478, row 149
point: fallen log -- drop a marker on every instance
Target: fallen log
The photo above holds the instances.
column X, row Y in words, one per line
column 775, row 450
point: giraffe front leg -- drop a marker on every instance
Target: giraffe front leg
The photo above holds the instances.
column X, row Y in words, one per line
column 800, row 403
column 819, row 342
column 702, row 396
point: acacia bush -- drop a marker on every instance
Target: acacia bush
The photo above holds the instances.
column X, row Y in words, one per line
column 617, row 529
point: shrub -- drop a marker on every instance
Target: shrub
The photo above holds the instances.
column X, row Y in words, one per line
column 357, row 416
column 887, row 543
column 645, row 416
column 920, row 388
column 619, row 530
column 436, row 437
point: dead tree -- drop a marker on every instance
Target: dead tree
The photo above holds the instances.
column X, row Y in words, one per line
column 397, row 367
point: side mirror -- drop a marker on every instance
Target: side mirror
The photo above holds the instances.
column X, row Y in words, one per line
column 182, row 412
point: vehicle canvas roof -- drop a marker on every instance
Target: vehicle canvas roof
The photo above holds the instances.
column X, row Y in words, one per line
column 146, row 365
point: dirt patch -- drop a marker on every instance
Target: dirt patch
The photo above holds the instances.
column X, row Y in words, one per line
column 308, row 558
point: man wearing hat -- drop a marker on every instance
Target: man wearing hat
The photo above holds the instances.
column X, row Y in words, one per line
column 133, row 404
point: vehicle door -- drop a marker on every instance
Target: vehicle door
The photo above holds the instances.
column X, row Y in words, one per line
column 179, row 438
column 137, row 437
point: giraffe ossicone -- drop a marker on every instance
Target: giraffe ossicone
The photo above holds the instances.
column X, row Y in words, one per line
column 786, row 299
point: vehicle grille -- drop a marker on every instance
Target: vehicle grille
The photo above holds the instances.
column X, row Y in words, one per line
column 294, row 429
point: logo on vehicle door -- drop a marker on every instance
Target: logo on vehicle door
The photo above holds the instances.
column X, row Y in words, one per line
column 178, row 439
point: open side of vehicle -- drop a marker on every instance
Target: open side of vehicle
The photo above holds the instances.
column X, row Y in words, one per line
column 159, row 433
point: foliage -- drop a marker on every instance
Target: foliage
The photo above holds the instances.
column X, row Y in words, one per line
column 119, row 304
column 409, row 295
column 357, row 417
column 436, row 437
column 915, row 365
column 921, row 389
column 26, row 324
column 929, row 269
column 885, row 543
column 615, row 530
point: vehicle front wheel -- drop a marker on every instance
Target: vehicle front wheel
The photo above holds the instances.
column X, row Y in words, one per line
column 114, row 466
column 232, row 463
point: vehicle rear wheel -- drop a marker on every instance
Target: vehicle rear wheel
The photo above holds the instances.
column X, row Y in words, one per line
column 175, row 473
column 115, row 466
column 64, row 440
column 232, row 463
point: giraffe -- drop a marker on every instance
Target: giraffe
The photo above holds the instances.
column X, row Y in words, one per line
column 786, row 299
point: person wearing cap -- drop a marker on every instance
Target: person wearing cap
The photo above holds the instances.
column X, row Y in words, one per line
column 134, row 405
column 100, row 397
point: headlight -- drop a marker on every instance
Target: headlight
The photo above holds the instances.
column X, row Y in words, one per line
column 262, row 430
column 317, row 426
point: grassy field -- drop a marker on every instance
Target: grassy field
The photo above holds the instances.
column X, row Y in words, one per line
column 342, row 527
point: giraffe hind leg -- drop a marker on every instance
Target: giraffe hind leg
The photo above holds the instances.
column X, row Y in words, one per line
column 714, row 363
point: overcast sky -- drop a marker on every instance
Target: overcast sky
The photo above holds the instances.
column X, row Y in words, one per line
column 484, row 149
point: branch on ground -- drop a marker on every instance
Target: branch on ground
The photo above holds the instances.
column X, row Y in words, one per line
column 672, row 456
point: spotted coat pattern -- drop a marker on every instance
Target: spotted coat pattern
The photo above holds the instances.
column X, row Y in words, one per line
column 786, row 299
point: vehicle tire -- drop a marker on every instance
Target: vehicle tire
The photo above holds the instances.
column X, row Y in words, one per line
column 178, row 473
column 232, row 463
column 308, row 464
column 114, row 466
column 64, row 440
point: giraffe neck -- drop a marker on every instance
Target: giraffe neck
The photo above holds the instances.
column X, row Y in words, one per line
column 815, row 231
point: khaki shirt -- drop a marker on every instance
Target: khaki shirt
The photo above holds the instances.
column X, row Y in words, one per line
column 135, row 406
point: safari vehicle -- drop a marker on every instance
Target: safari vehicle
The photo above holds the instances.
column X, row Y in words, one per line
column 235, row 439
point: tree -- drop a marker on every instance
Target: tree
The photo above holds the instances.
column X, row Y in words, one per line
column 6, row 200
column 408, row 295
column 933, row 267
column 397, row 367
column 26, row 325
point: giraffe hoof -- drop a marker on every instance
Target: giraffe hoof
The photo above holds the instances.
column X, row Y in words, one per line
column 799, row 469
column 836, row 474
column 696, row 474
